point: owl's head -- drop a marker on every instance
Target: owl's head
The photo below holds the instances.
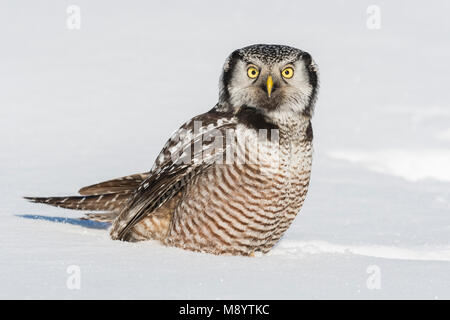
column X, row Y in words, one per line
column 273, row 78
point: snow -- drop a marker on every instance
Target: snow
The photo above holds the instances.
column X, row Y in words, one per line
column 408, row 164
column 81, row 106
column 444, row 135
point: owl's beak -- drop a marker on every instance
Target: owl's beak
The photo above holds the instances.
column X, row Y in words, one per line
column 269, row 85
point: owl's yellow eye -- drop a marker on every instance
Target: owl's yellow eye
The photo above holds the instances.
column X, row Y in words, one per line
column 252, row 72
column 287, row 73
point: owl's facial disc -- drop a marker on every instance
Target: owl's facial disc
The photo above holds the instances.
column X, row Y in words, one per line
column 271, row 78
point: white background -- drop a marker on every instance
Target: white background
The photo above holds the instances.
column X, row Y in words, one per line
column 81, row 106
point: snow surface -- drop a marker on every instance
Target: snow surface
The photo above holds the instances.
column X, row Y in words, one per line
column 79, row 107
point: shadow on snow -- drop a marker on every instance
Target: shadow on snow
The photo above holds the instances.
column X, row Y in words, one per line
column 78, row 222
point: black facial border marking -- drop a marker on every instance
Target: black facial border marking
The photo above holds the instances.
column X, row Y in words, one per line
column 227, row 73
column 313, row 81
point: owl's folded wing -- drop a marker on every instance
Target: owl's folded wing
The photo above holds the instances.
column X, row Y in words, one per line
column 195, row 147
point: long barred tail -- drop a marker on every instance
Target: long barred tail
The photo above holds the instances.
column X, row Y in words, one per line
column 103, row 202
column 109, row 197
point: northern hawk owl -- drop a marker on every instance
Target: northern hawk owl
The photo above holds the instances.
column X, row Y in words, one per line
column 231, row 180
